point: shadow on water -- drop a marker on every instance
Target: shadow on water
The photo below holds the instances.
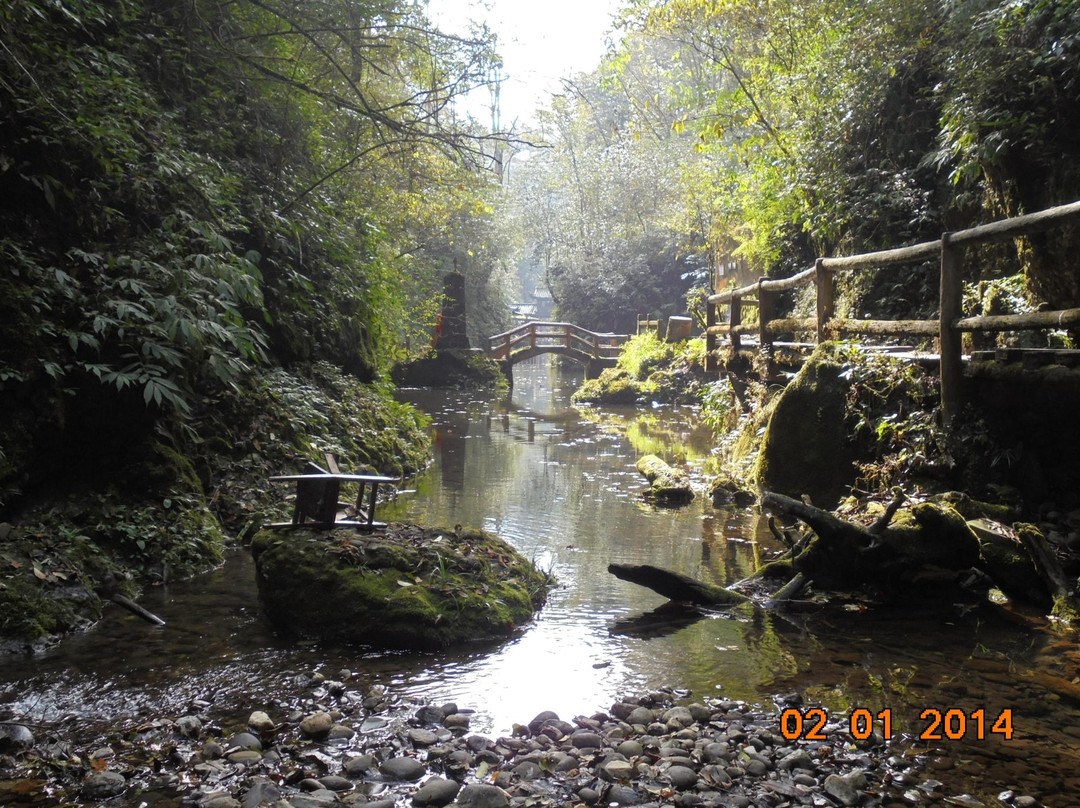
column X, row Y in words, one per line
column 561, row 486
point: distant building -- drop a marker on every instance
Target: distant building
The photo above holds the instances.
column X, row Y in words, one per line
column 522, row 312
column 541, row 298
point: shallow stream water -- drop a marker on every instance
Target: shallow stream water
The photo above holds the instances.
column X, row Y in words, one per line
column 560, row 485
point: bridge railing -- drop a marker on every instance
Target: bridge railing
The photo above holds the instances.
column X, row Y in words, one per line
column 948, row 327
column 538, row 336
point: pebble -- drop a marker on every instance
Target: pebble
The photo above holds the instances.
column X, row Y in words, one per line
column 482, row 796
column 103, row 785
column 317, row 725
column 403, row 768
column 260, row 722
column 436, row 792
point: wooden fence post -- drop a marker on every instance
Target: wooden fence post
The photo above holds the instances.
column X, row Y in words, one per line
column 766, row 309
column 734, row 321
column 711, row 365
column 826, row 302
column 951, row 345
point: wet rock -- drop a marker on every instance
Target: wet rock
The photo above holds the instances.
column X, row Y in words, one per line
column 103, row 785
column 222, row 801
column 586, row 740
column 403, row 768
column 261, row 791
column 245, row 757
column 339, row 732
column 617, row 770
column 799, row 759
column 527, row 770
column 422, row 738
column 260, row 722
column 15, row 738
column 681, row 777
column 359, row 766
column 244, row 740
column 588, row 795
column 845, row 787
column 623, row 795
column 458, row 722
column 436, row 792
column 640, row 715
column 481, row 796
column 429, row 714
column 316, row 725
column 334, row 783
column 630, row 748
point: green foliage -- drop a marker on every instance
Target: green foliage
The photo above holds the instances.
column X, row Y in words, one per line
column 642, row 353
column 891, row 407
column 719, row 405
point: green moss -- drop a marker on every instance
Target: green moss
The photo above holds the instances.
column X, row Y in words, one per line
column 612, row 386
column 406, row 587
column 30, row 612
column 806, row 448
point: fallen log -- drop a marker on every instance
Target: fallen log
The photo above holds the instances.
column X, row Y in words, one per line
column 1050, row 571
column 927, row 546
column 676, row 586
column 667, row 485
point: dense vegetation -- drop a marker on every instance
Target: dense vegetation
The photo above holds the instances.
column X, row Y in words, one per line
column 764, row 134
column 218, row 218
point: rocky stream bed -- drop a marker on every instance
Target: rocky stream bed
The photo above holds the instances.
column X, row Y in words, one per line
column 332, row 745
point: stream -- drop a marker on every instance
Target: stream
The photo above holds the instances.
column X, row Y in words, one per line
column 560, row 485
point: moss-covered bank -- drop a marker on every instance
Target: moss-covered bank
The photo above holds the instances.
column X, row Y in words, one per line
column 149, row 505
column 403, row 586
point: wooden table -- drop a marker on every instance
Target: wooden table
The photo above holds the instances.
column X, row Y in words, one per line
column 317, row 499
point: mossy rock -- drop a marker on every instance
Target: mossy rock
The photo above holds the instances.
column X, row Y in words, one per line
column 612, row 386
column 400, row 587
column 450, row 368
column 806, row 448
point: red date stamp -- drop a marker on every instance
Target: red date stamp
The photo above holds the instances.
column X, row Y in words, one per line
column 949, row 724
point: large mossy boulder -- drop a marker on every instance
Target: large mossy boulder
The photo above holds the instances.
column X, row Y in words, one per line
column 399, row 587
column 806, row 449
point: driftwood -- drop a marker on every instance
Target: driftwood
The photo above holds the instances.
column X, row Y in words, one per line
column 135, row 608
column 926, row 546
column 667, row 485
column 676, row 586
column 1049, row 570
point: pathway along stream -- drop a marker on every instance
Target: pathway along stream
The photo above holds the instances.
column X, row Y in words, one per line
column 560, row 485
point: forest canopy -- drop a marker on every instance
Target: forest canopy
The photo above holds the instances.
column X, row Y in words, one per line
column 762, row 135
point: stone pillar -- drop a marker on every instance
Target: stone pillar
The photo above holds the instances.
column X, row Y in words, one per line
column 452, row 322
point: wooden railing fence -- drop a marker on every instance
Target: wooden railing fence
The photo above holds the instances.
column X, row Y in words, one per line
column 948, row 327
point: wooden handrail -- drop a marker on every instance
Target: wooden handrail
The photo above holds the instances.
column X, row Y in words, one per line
column 947, row 327
column 555, row 337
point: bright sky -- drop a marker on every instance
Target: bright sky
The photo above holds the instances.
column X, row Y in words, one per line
column 540, row 41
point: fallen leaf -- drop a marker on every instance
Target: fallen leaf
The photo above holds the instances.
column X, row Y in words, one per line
column 405, row 583
column 39, row 574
